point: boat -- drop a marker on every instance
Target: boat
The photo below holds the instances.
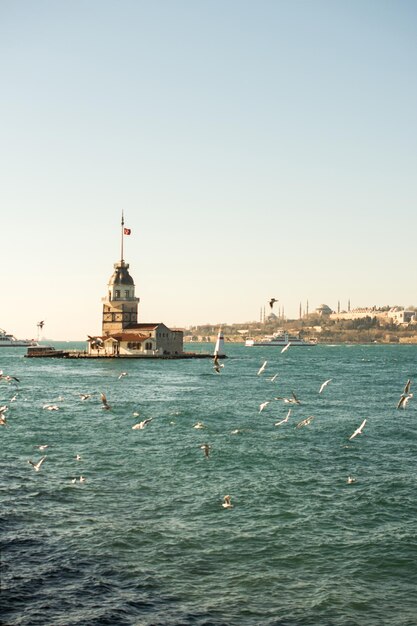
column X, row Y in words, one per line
column 10, row 341
column 281, row 339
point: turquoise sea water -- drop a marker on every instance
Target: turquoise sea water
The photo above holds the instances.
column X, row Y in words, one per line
column 145, row 539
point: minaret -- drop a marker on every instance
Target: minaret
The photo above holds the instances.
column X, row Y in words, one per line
column 120, row 306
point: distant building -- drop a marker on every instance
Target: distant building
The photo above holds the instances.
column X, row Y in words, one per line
column 122, row 334
column 323, row 309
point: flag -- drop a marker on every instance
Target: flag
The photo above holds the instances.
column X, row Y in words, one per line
column 127, row 231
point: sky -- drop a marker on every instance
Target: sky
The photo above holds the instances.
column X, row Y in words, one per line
column 258, row 149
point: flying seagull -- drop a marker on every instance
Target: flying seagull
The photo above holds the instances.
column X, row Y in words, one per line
column 326, row 382
column 206, row 449
column 272, row 302
column 285, row 348
column 262, row 368
column 305, row 422
column 216, row 364
column 358, row 431
column 37, row 466
column 284, row 420
column 403, row 401
column 263, row 405
column 104, row 401
column 121, row 375
column 274, row 377
column 141, row 425
column 405, row 396
column 227, row 502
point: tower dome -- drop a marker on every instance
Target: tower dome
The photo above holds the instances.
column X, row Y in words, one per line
column 121, row 275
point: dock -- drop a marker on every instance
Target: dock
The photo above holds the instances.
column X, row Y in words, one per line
column 50, row 352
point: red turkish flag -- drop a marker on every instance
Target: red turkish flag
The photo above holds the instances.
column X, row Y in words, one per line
column 127, row 231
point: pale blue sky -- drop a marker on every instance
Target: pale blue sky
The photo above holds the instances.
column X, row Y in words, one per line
column 258, row 149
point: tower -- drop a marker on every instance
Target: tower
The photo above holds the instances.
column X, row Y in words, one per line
column 120, row 306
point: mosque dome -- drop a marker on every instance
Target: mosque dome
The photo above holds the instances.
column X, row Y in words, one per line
column 121, row 275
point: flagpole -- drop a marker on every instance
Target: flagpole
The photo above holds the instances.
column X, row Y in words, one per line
column 123, row 222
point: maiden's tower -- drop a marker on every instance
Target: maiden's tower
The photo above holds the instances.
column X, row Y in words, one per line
column 122, row 332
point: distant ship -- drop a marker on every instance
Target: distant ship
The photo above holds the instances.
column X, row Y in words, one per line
column 281, row 339
column 10, row 341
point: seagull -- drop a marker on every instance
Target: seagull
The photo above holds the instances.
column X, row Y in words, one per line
column 293, row 400
column 263, row 405
column 285, row 348
column 82, row 479
column 272, row 302
column 14, row 398
column 3, row 409
column 405, row 396
column 199, row 425
column 77, row 457
column 358, row 431
column 104, row 401
column 216, row 363
column 227, row 504
column 121, row 375
column 403, row 401
column 37, row 466
column 141, row 425
column 8, row 378
column 42, row 447
column 284, row 420
column 206, row 449
column 326, row 382
column 85, row 396
column 351, row 480
column 274, row 377
column 262, row 368
column 135, row 414
column 3, row 421
column 51, row 407
column 305, row 422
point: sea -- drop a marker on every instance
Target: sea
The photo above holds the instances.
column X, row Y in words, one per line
column 145, row 540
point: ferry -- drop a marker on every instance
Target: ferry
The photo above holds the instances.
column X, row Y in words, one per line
column 10, row 341
column 281, row 339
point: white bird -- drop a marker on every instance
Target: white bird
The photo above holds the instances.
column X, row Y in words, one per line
column 104, row 401
column 263, row 405
column 285, row 348
column 262, row 368
column 42, row 447
column 82, row 479
column 227, row 503
column 326, row 382
column 358, row 431
column 216, row 364
column 351, row 480
column 305, row 422
column 293, row 400
column 121, row 375
column 284, row 420
column 404, row 400
column 274, row 377
column 141, row 425
column 51, row 407
column 37, row 466
column 3, row 409
column 206, row 449
column 3, row 421
column 77, row 457
column 85, row 396
column 14, row 398
column 199, row 425
column 136, row 414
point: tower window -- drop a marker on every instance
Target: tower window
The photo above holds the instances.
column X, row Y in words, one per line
column 127, row 293
column 117, row 293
